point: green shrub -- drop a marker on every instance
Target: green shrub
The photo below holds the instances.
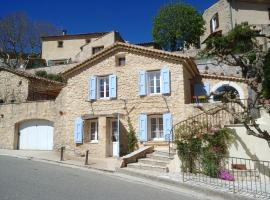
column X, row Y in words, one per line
column 131, row 136
column 54, row 77
column 197, row 144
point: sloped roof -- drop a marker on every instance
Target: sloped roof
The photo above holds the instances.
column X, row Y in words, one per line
column 73, row 36
column 31, row 76
column 220, row 77
column 186, row 60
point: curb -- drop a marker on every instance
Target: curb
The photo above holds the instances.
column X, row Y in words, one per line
column 59, row 163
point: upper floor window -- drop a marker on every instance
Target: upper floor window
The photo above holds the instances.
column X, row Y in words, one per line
column 87, row 41
column 153, row 82
column 121, row 61
column 214, row 23
column 97, row 49
column 103, row 87
column 60, row 44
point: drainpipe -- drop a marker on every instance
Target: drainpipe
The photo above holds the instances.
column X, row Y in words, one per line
column 118, row 133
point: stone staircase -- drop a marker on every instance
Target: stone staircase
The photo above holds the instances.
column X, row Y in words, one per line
column 155, row 162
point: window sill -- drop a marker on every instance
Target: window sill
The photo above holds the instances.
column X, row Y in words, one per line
column 155, row 94
column 94, row 142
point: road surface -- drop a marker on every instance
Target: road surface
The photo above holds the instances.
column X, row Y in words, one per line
column 22, row 179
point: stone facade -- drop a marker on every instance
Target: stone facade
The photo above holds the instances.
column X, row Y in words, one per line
column 13, row 87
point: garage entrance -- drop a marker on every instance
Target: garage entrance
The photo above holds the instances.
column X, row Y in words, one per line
column 36, row 135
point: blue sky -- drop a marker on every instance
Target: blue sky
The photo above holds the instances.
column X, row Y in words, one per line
column 133, row 19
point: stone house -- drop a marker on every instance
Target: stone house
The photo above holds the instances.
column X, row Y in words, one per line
column 69, row 48
column 222, row 17
column 152, row 88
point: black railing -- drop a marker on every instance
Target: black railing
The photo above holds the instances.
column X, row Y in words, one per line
column 218, row 117
column 231, row 174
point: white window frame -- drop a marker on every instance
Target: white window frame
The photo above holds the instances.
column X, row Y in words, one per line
column 214, row 22
column 148, row 84
column 159, row 132
column 112, row 122
column 106, row 78
column 96, row 131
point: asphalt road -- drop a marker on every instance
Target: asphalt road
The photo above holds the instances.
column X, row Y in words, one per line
column 22, row 179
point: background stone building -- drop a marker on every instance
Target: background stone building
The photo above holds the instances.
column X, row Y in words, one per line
column 222, row 17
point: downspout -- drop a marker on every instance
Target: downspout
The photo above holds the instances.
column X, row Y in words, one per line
column 230, row 1
column 118, row 133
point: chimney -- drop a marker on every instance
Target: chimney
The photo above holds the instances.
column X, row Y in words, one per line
column 64, row 32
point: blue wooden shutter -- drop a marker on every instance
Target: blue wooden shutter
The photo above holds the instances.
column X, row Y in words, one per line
column 206, row 88
column 167, row 126
column 143, row 127
column 112, row 86
column 78, row 131
column 93, row 88
column 142, row 83
column 165, row 77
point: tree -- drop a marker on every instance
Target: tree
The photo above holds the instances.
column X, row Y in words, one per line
column 240, row 48
column 20, row 37
column 177, row 26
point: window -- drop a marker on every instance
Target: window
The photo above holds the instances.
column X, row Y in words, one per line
column 214, row 23
column 60, row 44
column 97, row 49
column 87, row 41
column 231, row 91
column 103, row 86
column 93, row 131
column 121, row 61
column 156, row 127
column 114, row 131
column 153, row 82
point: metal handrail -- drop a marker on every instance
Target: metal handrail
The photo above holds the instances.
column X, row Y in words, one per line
column 194, row 117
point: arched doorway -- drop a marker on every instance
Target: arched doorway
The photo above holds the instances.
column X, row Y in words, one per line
column 233, row 88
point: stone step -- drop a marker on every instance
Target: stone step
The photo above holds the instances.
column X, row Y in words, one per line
column 154, row 162
column 164, row 153
column 147, row 167
column 159, row 157
column 141, row 173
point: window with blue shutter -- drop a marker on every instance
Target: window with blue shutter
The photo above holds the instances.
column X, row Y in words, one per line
column 165, row 77
column 93, row 88
column 143, row 127
column 112, row 86
column 78, row 131
column 167, row 126
column 142, row 83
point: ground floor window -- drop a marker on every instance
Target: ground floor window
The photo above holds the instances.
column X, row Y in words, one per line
column 93, row 131
column 156, row 127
